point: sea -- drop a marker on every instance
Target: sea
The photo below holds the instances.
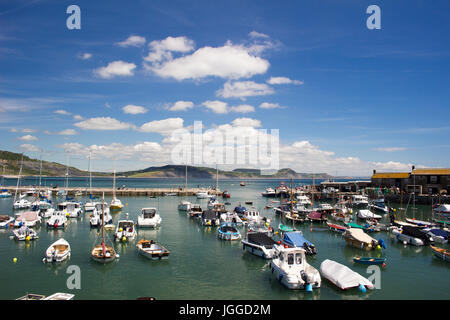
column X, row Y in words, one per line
column 201, row 266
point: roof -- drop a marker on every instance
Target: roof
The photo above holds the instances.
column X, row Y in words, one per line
column 391, row 175
column 437, row 172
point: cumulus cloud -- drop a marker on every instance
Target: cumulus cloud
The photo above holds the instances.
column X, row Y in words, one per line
column 103, row 123
column 164, row 127
column 67, row 132
column 283, row 80
column 161, row 49
column 216, row 106
column 268, row 105
column 132, row 109
column 243, row 89
column 63, row 112
column 24, row 130
column 28, row 137
column 132, row 41
column 116, row 68
column 246, row 122
column 255, row 34
column 77, row 117
column 180, row 106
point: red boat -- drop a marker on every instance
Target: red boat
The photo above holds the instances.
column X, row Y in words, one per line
column 225, row 194
column 336, row 227
column 315, row 216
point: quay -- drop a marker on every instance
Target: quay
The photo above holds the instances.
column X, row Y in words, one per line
column 151, row 192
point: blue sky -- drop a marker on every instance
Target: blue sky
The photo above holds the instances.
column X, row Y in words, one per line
column 351, row 99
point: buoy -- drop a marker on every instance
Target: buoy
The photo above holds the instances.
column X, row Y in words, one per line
column 378, row 247
column 15, row 260
column 120, row 229
column 362, row 288
column 267, row 224
column 309, row 287
column 276, row 232
column 27, row 238
column 384, row 265
column 124, row 238
column 67, row 214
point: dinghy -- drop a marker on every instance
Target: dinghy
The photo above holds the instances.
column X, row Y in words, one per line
column 369, row 261
column 336, row 227
column 228, row 231
column 25, row 233
column 152, row 250
column 260, row 244
column 58, row 251
column 102, row 252
column 296, row 239
column 291, row 268
column 343, row 277
column 441, row 253
column 60, row 296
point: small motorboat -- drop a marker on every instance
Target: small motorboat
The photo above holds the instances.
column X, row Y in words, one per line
column 231, row 217
column 242, row 184
column 22, row 204
column 228, row 231
column 58, row 251
column 438, row 235
column 46, row 210
column 152, row 250
column 28, row 218
column 149, row 218
column 32, row 296
column 210, row 218
column 226, row 194
column 290, row 267
column 295, row 239
column 285, row 228
column 367, row 214
column 125, row 231
column 359, row 239
column 25, row 233
column 413, row 236
column 369, row 260
column 343, row 277
column 336, row 227
column 184, row 206
column 260, row 244
column 58, row 220
column 70, row 209
column 315, row 216
column 115, row 204
column 5, row 221
column 202, row 195
column 441, row 253
column 195, row 211
column 252, row 216
column 269, row 192
column 96, row 217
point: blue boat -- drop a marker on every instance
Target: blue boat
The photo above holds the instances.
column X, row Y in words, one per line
column 296, row 239
column 368, row 260
column 228, row 231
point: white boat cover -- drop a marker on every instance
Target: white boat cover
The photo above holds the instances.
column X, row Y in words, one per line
column 342, row 276
column 359, row 235
column 368, row 214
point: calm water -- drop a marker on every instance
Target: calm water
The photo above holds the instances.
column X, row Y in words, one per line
column 200, row 265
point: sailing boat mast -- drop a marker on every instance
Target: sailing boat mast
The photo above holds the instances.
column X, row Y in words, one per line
column 185, row 183
column 90, row 175
column 292, row 208
column 18, row 178
column 40, row 172
column 114, row 181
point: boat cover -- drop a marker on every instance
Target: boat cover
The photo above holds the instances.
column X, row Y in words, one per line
column 367, row 214
column 342, row 276
column 315, row 215
column 240, row 209
column 359, row 235
column 261, row 239
column 414, row 232
column 295, row 239
column 440, row 233
column 209, row 214
column 28, row 216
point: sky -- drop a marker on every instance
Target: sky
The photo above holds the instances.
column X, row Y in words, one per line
column 345, row 99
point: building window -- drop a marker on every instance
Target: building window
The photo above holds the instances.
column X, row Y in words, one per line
column 433, row 179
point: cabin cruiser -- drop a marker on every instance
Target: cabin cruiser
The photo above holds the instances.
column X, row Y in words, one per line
column 252, row 216
column 22, row 204
column 359, row 200
column 240, row 211
column 228, row 231
column 28, row 219
column 184, row 206
column 290, row 267
column 210, row 218
column 30, row 192
column 195, row 211
column 90, row 205
column 303, row 200
column 149, row 218
column 260, row 244
column 25, row 233
column 231, row 217
column 212, row 202
column 296, row 239
column 96, row 216
column 438, row 235
column 125, row 230
column 269, row 192
column 46, row 210
column 325, row 206
column 57, row 252
column 58, row 220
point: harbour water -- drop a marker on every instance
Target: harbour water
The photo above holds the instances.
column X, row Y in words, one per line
column 200, row 265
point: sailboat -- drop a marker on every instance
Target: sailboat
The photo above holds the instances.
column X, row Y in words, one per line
column 63, row 192
column 184, row 205
column 102, row 252
column 116, row 204
column 20, row 203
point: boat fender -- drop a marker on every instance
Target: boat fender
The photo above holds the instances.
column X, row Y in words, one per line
column 309, row 287
column 362, row 288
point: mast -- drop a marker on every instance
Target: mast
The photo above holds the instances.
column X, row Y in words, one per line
column 114, row 181
column 217, row 178
column 40, row 173
column 18, row 178
column 103, row 220
column 90, row 175
column 3, row 175
column 185, row 183
column 292, row 209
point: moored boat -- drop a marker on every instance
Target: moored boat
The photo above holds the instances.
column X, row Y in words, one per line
column 228, row 231
column 369, row 260
column 441, row 253
column 260, row 244
column 295, row 239
column 125, row 231
column 343, row 277
column 58, row 251
column 149, row 218
column 25, row 233
column 359, row 239
column 152, row 250
column 316, row 216
column 5, row 221
column 413, row 236
column 336, row 227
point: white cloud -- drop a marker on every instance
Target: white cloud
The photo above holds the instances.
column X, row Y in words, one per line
column 242, row 89
column 229, row 61
column 164, row 127
column 161, row 49
column 29, row 148
column 255, row 34
column 283, row 80
column 243, row 108
column 85, row 56
column 268, row 105
column 216, row 106
column 77, row 117
column 63, row 112
column 28, row 137
column 180, row 106
column 67, row 132
column 24, row 130
column 103, row 123
column 132, row 109
column 246, row 122
column 134, row 41
column 390, row 149
column 116, row 68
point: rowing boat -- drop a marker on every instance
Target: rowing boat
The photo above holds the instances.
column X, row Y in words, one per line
column 441, row 253
column 368, row 260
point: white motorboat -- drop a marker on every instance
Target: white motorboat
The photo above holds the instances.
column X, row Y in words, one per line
column 28, row 219
column 89, row 206
column 260, row 244
column 125, row 231
column 97, row 216
column 152, row 250
column 25, row 233
column 149, row 218
column 58, row 251
column 30, row 192
column 4, row 193
column 22, row 204
column 325, row 206
column 70, row 209
column 290, row 267
column 5, row 221
column 195, row 211
column 212, row 203
column 252, row 216
column 231, row 217
column 367, row 214
column 228, row 231
column 269, row 192
column 58, row 220
column 412, row 235
column 184, row 206
column 343, row 277
column 359, row 200
column 303, row 200
column 46, row 210
column 438, row 235
column 202, row 195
